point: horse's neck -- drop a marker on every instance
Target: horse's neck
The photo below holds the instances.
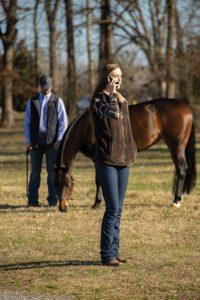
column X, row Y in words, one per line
column 70, row 149
column 72, row 143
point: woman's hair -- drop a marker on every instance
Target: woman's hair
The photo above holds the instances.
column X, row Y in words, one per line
column 104, row 72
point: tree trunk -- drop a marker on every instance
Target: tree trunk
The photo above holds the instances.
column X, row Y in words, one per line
column 53, row 57
column 71, row 67
column 36, row 49
column 89, row 47
column 8, row 38
column 182, row 73
column 51, row 16
column 7, row 117
column 170, row 78
column 105, row 47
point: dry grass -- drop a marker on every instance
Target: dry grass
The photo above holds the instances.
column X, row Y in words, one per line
column 45, row 252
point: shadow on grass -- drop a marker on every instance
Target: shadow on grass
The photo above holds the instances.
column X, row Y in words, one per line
column 6, row 208
column 48, row 264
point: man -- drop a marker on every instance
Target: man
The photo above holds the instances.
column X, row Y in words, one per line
column 45, row 122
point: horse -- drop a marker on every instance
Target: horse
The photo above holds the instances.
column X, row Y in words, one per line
column 170, row 120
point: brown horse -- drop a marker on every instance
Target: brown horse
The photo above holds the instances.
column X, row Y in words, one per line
column 170, row 120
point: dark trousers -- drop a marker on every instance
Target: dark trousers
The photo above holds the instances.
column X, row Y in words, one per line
column 113, row 180
column 36, row 166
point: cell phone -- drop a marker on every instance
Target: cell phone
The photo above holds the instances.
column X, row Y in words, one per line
column 111, row 78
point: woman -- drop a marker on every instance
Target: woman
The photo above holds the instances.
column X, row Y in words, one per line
column 115, row 151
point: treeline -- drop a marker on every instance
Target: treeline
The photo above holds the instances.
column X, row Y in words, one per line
column 156, row 42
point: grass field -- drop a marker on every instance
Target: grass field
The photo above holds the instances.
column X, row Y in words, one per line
column 44, row 252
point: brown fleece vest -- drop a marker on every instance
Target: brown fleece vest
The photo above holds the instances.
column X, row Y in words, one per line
column 114, row 139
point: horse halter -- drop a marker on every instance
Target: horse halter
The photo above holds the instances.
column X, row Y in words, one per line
column 62, row 168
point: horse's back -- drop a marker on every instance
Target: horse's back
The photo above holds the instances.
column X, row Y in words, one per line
column 159, row 119
column 163, row 105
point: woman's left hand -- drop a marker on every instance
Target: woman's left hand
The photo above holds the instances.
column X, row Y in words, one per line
column 111, row 86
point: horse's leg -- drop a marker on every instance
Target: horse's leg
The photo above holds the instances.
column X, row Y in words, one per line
column 63, row 205
column 181, row 169
column 99, row 196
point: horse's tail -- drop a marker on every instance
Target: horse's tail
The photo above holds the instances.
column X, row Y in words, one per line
column 190, row 180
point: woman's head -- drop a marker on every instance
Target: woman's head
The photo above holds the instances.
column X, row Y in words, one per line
column 111, row 71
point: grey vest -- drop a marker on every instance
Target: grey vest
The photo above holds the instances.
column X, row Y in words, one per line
column 52, row 121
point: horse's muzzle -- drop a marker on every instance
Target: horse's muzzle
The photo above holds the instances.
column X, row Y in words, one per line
column 63, row 205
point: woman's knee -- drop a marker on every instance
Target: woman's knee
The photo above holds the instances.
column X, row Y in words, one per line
column 112, row 212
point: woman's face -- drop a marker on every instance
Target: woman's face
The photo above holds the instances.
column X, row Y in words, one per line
column 116, row 74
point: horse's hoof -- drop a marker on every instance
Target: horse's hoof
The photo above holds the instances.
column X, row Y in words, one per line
column 96, row 205
column 177, row 205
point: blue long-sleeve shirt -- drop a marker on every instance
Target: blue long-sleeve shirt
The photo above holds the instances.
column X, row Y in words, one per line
column 62, row 117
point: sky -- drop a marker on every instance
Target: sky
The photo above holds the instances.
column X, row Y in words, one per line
column 25, row 29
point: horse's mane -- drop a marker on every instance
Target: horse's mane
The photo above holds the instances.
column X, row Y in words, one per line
column 65, row 138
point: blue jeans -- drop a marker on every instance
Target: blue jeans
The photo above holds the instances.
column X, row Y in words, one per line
column 36, row 166
column 113, row 180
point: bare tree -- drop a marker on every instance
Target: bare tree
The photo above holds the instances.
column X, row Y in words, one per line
column 36, row 48
column 8, row 38
column 187, row 49
column 170, row 80
column 105, row 46
column 89, row 46
column 51, row 16
column 71, row 67
column 146, row 30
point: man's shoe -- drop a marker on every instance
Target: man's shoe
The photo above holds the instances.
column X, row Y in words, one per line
column 52, row 204
column 112, row 263
column 121, row 260
column 30, row 204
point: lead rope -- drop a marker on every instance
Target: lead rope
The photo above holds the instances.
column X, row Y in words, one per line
column 27, row 154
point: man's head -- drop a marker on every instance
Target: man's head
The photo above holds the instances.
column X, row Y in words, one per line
column 45, row 83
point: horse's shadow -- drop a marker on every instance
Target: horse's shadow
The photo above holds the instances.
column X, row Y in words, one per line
column 47, row 264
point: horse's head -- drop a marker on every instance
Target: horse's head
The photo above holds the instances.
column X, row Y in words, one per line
column 64, row 184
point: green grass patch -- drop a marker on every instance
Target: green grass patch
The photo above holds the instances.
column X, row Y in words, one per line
column 47, row 253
